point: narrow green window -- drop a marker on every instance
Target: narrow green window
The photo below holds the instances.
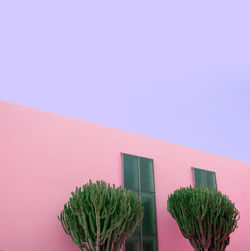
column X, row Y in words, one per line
column 131, row 177
column 199, row 177
column 138, row 174
column 211, row 179
column 204, row 178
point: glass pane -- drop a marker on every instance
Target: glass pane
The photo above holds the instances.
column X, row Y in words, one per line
column 138, row 229
column 130, row 170
column 199, row 176
column 211, row 181
column 149, row 218
column 133, row 243
column 146, row 175
column 149, row 243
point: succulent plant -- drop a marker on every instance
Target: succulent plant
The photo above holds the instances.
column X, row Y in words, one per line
column 205, row 217
column 99, row 217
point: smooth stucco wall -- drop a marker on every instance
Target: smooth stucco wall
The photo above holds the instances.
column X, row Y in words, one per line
column 44, row 156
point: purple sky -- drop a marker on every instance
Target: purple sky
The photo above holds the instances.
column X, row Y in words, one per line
column 173, row 70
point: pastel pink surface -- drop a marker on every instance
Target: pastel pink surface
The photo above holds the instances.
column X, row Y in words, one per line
column 44, row 156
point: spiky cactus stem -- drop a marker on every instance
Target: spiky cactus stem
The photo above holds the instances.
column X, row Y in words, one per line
column 205, row 217
column 99, row 217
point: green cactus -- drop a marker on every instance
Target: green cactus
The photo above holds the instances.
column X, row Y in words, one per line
column 205, row 217
column 99, row 217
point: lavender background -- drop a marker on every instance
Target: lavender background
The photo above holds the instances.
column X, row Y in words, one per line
column 173, row 70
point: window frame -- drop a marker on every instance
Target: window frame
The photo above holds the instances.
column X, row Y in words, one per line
column 205, row 176
column 140, row 191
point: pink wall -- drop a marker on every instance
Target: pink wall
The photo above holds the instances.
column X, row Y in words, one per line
column 44, row 156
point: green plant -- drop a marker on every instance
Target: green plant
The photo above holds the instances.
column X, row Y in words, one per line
column 205, row 217
column 99, row 217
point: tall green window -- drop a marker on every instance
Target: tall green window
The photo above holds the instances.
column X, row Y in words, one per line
column 138, row 174
column 204, row 178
